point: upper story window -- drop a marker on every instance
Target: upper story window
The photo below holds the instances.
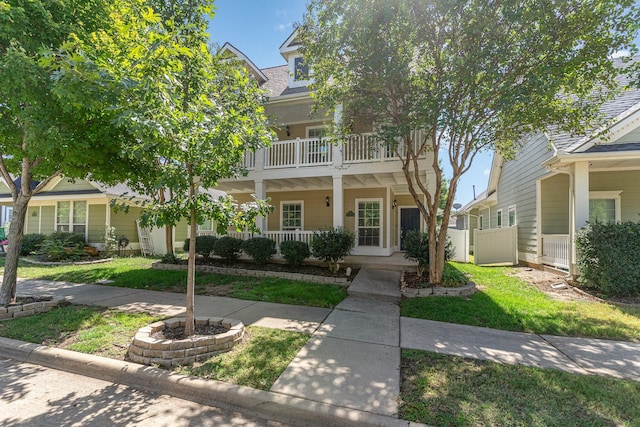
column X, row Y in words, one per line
column 512, row 216
column 499, row 218
column 301, row 70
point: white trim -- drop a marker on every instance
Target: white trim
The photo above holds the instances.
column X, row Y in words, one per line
column 308, row 128
column 241, row 56
column 499, row 220
column 71, row 215
column 380, row 227
column 292, row 202
column 515, row 216
column 608, row 195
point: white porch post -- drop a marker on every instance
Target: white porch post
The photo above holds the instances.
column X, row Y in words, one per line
column 260, row 194
column 581, row 188
column 338, row 202
column 259, row 159
column 337, row 148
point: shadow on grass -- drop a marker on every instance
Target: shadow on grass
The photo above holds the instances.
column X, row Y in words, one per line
column 449, row 390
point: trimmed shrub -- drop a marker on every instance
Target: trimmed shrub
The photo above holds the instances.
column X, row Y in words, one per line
column 261, row 249
column 170, row 258
column 332, row 245
column 62, row 245
column 228, row 248
column 416, row 246
column 31, row 243
column 607, row 257
column 294, row 252
column 204, row 245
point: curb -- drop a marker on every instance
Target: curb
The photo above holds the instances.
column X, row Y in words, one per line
column 291, row 410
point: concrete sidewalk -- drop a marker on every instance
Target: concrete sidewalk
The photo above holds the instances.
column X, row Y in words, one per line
column 349, row 371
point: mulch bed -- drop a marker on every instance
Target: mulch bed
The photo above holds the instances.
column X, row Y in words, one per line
column 178, row 333
column 315, row 270
column 411, row 280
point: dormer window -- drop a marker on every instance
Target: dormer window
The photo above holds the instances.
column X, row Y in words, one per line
column 301, row 69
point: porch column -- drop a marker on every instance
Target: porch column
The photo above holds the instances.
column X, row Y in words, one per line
column 336, row 149
column 260, row 194
column 338, row 202
column 259, row 159
column 581, row 194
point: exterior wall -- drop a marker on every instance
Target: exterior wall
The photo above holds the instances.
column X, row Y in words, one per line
column 32, row 225
column 180, row 233
column 633, row 136
column 97, row 221
column 517, row 186
column 555, row 204
column 67, row 185
column 316, row 214
column 4, row 189
column 48, row 219
column 125, row 224
column 627, row 182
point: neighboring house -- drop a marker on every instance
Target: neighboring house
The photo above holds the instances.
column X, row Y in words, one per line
column 559, row 182
column 314, row 183
column 83, row 207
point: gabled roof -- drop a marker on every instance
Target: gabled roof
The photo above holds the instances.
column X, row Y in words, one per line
column 291, row 44
column 228, row 47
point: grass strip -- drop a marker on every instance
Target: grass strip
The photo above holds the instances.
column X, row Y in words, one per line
column 506, row 302
column 136, row 273
column 447, row 390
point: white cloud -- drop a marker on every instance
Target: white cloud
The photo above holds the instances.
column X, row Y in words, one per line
column 620, row 54
column 486, row 172
column 284, row 27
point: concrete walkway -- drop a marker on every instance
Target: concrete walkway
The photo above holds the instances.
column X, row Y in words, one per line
column 351, row 364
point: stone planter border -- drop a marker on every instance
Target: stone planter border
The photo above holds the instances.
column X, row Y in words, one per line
column 167, row 353
column 23, row 310
column 462, row 291
column 342, row 281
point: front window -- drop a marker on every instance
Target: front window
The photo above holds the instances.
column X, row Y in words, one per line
column 301, row 70
column 369, row 223
column 72, row 217
column 206, row 225
column 512, row 216
column 500, row 218
column 602, row 210
column 291, row 215
column 481, row 222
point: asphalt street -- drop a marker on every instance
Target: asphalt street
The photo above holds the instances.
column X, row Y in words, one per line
column 32, row 395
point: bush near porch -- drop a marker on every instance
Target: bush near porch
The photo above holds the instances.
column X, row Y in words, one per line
column 608, row 257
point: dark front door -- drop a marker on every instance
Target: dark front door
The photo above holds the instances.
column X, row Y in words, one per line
column 409, row 220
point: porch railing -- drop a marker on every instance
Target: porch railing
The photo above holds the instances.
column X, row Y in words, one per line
column 277, row 236
column 555, row 250
column 362, row 147
column 298, row 152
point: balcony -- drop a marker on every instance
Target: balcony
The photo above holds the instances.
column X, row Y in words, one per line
column 296, row 153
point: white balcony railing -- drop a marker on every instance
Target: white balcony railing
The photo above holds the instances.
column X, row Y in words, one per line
column 556, row 250
column 298, row 152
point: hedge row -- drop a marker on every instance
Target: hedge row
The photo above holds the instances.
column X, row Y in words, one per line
column 608, row 257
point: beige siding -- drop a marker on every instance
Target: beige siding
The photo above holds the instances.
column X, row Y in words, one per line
column 67, row 185
column 97, row 223
column 125, row 224
column 625, row 181
column 517, row 187
column 33, row 224
column 555, row 204
column 48, row 223
column 181, row 232
column 316, row 214
column 4, row 189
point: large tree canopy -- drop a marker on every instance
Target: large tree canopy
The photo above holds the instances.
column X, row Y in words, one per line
column 42, row 136
column 194, row 114
column 469, row 75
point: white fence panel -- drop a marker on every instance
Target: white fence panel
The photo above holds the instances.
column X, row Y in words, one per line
column 496, row 246
column 460, row 241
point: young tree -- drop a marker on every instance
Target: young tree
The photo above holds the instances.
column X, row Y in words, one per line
column 193, row 113
column 42, row 137
column 451, row 77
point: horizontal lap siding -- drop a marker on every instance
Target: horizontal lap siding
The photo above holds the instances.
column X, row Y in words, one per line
column 555, row 204
column 97, row 223
column 67, row 185
column 517, row 186
column 125, row 224
column 316, row 214
column 628, row 182
column 48, row 221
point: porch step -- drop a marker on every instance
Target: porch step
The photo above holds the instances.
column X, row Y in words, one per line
column 375, row 284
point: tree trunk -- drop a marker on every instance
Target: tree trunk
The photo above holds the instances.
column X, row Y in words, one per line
column 189, row 322
column 168, row 238
column 16, row 234
column 436, row 253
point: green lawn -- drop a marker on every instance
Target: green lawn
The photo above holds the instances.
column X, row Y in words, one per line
column 443, row 390
column 256, row 362
column 136, row 272
column 508, row 303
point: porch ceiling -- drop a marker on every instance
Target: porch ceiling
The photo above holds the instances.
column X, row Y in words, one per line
column 616, row 163
column 371, row 180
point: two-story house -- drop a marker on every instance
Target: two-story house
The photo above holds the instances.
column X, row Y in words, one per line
column 314, row 183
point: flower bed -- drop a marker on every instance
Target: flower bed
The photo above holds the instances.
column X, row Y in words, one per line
column 458, row 291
